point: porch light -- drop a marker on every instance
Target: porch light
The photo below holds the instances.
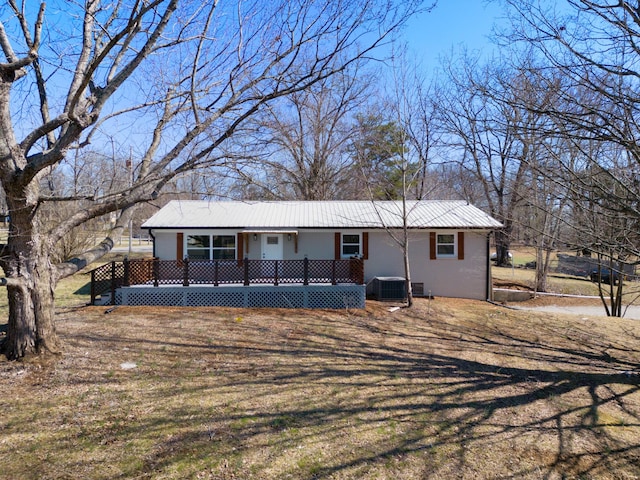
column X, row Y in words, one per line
column 255, row 237
column 289, row 237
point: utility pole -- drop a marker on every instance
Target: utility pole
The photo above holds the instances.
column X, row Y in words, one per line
column 130, row 171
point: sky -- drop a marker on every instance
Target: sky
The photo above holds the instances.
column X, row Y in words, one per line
column 451, row 25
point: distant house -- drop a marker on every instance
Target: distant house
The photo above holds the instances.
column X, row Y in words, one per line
column 448, row 246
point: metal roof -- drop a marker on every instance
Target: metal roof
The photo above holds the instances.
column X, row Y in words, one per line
column 189, row 214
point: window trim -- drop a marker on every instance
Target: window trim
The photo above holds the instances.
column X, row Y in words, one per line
column 232, row 248
column 188, row 247
column 211, row 248
column 452, row 255
column 343, row 244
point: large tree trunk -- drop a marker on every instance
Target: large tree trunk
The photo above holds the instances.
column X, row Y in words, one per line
column 31, row 328
column 541, row 269
column 503, row 240
column 30, row 279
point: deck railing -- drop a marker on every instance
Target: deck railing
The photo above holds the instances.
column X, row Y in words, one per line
column 109, row 277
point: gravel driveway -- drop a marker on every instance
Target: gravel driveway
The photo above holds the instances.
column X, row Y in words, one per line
column 631, row 312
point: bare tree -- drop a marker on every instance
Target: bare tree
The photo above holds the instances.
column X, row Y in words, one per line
column 600, row 226
column 543, row 210
column 394, row 152
column 302, row 140
column 482, row 132
column 170, row 81
column 543, row 196
column 416, row 110
column 505, row 139
column 591, row 46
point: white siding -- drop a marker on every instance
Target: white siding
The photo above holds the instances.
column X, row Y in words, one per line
column 165, row 244
column 449, row 277
column 441, row 277
column 452, row 277
column 316, row 245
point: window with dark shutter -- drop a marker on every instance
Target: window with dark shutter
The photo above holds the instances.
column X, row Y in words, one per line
column 444, row 245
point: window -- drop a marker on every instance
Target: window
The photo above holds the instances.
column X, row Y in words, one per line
column 198, row 247
column 208, row 247
column 350, row 245
column 446, row 245
column 224, row 247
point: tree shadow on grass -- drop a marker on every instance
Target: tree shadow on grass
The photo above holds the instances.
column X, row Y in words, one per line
column 84, row 289
column 361, row 394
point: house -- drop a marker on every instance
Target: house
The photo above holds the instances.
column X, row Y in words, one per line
column 301, row 253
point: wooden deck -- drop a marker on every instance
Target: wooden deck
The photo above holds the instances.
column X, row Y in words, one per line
column 282, row 276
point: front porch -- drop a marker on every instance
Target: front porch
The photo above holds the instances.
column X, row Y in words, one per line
column 233, row 283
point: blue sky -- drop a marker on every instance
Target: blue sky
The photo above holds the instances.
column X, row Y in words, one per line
column 452, row 24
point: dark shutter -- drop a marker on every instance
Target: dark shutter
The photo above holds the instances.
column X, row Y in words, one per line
column 336, row 246
column 239, row 245
column 180, row 246
column 432, row 245
column 365, row 245
column 460, row 245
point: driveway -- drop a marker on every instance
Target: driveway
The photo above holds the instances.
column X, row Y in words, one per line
column 592, row 307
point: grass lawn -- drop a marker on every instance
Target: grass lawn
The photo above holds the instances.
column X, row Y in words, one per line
column 557, row 283
column 450, row 389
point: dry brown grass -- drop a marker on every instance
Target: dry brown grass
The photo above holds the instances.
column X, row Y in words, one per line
column 557, row 283
column 450, row 389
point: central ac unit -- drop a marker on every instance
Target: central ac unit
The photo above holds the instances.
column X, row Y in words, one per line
column 388, row 288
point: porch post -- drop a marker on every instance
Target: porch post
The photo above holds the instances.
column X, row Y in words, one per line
column 156, row 271
column 333, row 272
column 127, row 269
column 93, row 287
column 215, row 273
column 275, row 274
column 185, row 272
column 246, row 271
column 113, row 283
column 305, row 281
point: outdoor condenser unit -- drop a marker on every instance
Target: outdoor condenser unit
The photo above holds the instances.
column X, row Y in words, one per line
column 388, row 288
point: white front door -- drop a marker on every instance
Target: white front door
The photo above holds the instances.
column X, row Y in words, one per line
column 272, row 247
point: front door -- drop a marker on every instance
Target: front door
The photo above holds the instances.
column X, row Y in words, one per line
column 272, row 249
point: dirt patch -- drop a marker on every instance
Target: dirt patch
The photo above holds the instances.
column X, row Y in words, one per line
column 497, row 283
column 543, row 300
